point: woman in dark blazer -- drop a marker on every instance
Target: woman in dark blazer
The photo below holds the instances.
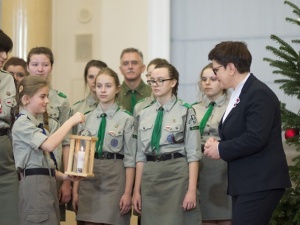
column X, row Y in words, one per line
column 250, row 133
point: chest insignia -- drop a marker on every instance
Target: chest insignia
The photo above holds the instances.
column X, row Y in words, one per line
column 114, row 142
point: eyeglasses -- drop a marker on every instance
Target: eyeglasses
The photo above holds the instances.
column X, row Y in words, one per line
column 215, row 70
column 158, row 82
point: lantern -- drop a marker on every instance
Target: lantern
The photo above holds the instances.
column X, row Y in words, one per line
column 81, row 156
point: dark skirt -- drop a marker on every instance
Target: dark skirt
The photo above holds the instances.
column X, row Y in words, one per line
column 99, row 196
column 215, row 204
column 9, row 184
column 163, row 188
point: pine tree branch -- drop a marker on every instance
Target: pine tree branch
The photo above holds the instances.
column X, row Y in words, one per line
column 295, row 7
column 285, row 44
column 290, row 20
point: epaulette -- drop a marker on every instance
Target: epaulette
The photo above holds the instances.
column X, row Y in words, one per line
column 4, row 71
column 87, row 112
column 78, row 101
column 195, row 103
column 62, row 95
column 129, row 113
column 143, row 99
column 151, row 103
column 184, row 104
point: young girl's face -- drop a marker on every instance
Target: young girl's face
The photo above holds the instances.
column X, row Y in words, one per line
column 17, row 71
column 40, row 65
column 90, row 78
column 106, row 89
column 161, row 83
column 210, row 85
column 38, row 102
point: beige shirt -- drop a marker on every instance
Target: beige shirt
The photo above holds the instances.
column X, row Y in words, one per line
column 118, row 133
column 180, row 130
column 27, row 139
column 139, row 107
column 7, row 98
column 211, row 128
column 84, row 106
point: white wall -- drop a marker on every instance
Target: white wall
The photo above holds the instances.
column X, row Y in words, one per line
column 197, row 26
column 114, row 25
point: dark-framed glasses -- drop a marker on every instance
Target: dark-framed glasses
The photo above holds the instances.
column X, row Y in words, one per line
column 158, row 82
column 216, row 69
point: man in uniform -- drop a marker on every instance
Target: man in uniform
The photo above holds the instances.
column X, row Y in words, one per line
column 133, row 87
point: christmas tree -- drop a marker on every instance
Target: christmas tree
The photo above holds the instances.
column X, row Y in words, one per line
column 287, row 64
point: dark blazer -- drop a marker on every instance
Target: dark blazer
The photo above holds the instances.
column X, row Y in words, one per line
column 251, row 141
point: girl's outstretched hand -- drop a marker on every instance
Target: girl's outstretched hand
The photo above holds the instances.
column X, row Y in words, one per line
column 78, row 118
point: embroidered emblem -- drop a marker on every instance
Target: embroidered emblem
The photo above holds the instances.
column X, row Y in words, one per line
column 114, row 142
column 170, row 138
column 168, row 128
column 112, row 133
column 194, row 128
column 193, row 119
column 8, row 93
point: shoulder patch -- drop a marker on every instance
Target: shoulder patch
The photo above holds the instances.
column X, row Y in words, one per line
column 194, row 128
column 62, row 95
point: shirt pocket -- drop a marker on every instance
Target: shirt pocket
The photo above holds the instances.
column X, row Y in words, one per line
column 115, row 140
column 37, row 217
column 145, row 133
column 175, row 133
column 53, row 112
column 6, row 105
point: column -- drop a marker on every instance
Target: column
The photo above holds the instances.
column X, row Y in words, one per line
column 28, row 23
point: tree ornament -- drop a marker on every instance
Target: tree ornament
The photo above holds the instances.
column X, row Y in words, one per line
column 291, row 132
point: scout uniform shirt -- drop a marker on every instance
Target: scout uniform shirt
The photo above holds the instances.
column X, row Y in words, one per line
column 124, row 98
column 9, row 183
column 211, row 128
column 84, row 106
column 118, row 133
column 7, row 98
column 179, row 132
column 139, row 107
column 27, row 139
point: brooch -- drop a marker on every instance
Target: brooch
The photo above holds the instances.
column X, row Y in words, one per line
column 236, row 102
